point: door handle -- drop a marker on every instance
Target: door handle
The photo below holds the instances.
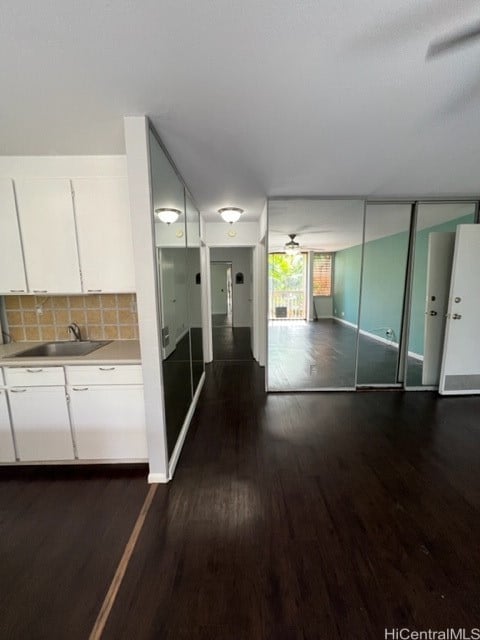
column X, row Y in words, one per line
column 433, row 313
column 456, row 316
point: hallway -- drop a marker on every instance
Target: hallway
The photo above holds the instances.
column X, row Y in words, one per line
column 231, row 344
column 290, row 516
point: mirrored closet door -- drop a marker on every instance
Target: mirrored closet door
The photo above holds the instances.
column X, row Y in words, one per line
column 314, row 267
column 384, row 277
column 177, row 243
column 434, row 242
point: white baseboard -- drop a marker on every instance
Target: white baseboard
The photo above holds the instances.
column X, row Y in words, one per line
column 182, row 335
column 183, row 433
column 374, row 336
column 415, row 356
column 157, row 478
column 349, row 324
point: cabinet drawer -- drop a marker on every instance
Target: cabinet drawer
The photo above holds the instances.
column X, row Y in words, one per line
column 105, row 374
column 34, row 376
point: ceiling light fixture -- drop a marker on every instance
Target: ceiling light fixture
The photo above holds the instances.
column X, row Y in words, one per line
column 292, row 248
column 230, row 214
column 168, row 215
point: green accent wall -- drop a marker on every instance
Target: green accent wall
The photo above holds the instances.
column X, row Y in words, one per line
column 383, row 283
column 346, row 283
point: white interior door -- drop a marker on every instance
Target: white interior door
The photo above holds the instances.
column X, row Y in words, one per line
column 460, row 372
column 439, row 270
column 167, row 296
column 219, row 288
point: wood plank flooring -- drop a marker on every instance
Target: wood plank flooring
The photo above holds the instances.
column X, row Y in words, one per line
column 231, row 343
column 62, row 534
column 310, row 516
column 322, row 354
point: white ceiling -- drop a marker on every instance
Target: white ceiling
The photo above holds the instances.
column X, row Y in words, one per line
column 252, row 97
column 332, row 225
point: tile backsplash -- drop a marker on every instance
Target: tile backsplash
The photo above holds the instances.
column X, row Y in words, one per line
column 100, row 317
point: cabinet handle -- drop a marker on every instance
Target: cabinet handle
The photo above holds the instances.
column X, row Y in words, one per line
column 17, row 290
column 94, row 290
column 34, row 370
column 79, row 388
column 40, row 291
column 106, row 368
column 18, row 390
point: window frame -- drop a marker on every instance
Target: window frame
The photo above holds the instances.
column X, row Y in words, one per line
column 332, row 262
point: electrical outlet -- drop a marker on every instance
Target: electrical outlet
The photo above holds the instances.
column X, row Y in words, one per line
column 39, row 310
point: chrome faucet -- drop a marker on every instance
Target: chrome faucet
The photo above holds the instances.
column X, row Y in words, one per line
column 75, row 330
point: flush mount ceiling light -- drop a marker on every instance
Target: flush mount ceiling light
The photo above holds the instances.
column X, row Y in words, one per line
column 292, row 248
column 230, row 214
column 168, row 215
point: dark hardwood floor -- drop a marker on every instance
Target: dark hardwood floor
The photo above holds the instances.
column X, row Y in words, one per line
column 231, row 343
column 321, row 354
column 310, row 516
column 62, row 534
column 221, row 319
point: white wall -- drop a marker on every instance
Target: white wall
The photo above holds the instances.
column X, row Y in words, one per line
column 241, row 259
column 136, row 140
column 217, row 234
column 324, row 306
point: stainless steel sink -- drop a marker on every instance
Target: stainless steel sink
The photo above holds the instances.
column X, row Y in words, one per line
column 60, row 349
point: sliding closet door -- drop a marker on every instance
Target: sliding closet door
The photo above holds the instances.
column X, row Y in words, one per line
column 385, row 256
column 436, row 225
column 314, row 289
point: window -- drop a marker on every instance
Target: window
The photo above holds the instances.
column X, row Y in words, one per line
column 322, row 274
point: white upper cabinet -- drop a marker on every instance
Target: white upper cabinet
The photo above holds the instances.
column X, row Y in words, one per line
column 45, row 209
column 12, row 269
column 104, row 234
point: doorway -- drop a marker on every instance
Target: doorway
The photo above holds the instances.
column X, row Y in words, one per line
column 222, row 294
column 231, row 314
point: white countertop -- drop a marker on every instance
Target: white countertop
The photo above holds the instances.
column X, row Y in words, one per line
column 116, row 352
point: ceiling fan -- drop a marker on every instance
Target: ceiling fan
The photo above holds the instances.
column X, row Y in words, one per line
column 453, row 40
column 292, row 248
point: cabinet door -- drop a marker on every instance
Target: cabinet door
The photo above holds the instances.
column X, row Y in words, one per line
column 45, row 209
column 7, row 452
column 102, row 212
column 12, row 269
column 109, row 422
column 41, row 423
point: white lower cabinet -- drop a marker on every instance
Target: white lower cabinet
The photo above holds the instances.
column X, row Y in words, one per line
column 108, row 422
column 7, row 452
column 41, row 423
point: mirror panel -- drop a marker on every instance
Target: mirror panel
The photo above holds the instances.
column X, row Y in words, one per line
column 385, row 256
column 313, row 296
column 434, row 244
column 170, row 240
column 194, row 290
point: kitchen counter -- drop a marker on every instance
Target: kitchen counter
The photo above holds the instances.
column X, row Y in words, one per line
column 116, row 352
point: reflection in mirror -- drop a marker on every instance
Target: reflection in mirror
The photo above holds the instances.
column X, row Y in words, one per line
column 385, row 255
column 194, row 290
column 313, row 294
column 169, row 219
column 434, row 244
